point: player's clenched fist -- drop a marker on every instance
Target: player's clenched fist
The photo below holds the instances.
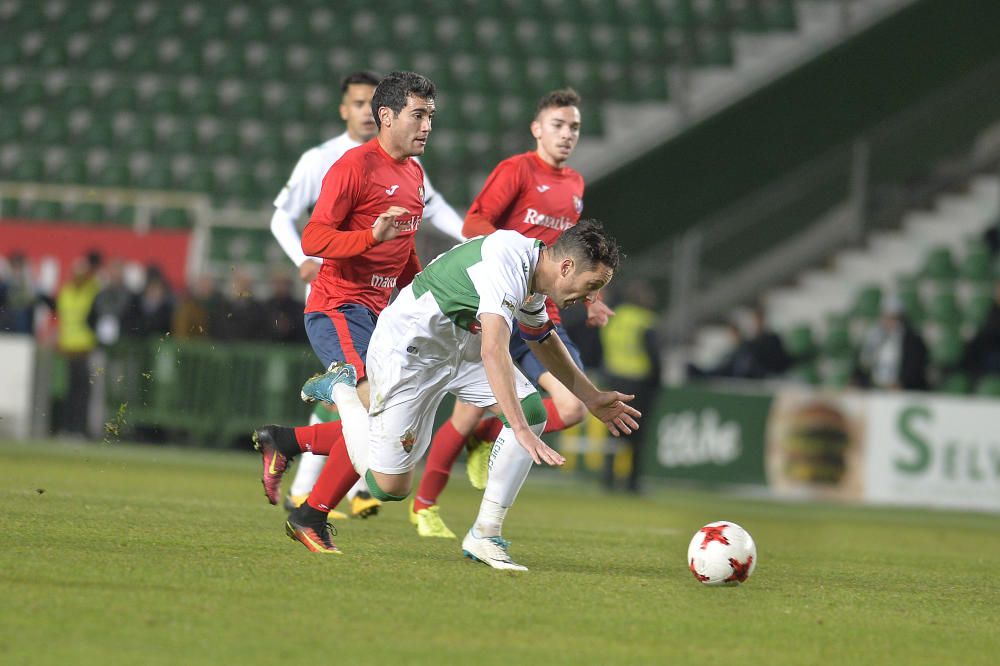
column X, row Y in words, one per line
column 385, row 227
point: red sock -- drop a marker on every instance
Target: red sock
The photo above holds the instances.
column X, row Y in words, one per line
column 553, row 422
column 445, row 447
column 335, row 480
column 488, row 429
column 319, row 438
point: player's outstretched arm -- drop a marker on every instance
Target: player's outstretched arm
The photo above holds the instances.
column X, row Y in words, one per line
column 500, row 374
column 609, row 406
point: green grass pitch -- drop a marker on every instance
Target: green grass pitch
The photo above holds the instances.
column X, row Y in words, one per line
column 115, row 554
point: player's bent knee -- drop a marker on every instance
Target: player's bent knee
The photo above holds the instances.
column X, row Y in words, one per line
column 394, row 492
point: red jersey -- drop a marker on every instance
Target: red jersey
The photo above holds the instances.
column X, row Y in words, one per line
column 359, row 187
column 527, row 195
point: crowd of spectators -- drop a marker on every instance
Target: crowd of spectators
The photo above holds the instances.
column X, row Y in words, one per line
column 238, row 310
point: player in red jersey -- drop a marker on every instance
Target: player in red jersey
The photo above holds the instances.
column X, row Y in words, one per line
column 537, row 195
column 369, row 208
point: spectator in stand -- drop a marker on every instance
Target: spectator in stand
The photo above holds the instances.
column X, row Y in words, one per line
column 981, row 356
column 738, row 362
column 192, row 318
column 76, row 342
column 152, row 310
column 632, row 360
column 283, row 320
column 239, row 316
column 111, row 306
column 765, row 347
column 893, row 355
column 18, row 297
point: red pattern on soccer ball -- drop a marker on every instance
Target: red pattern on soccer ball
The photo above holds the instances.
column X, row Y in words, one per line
column 741, row 570
column 713, row 533
column 697, row 575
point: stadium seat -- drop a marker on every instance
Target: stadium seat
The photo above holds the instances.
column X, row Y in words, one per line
column 939, row 264
column 946, row 353
column 943, row 308
column 172, row 218
column 955, row 384
column 87, row 212
column 978, row 307
column 989, row 386
column 799, row 343
column 44, row 210
column 837, row 343
column 975, row 266
column 868, row 303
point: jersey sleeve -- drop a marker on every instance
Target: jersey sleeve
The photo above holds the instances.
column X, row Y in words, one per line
column 498, row 194
column 440, row 213
column 533, row 321
column 500, row 281
column 342, row 189
column 302, row 188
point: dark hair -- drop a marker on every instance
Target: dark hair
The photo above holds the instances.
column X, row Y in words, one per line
column 362, row 76
column 393, row 90
column 587, row 242
column 558, row 99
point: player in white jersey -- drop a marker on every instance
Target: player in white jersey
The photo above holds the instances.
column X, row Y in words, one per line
column 297, row 197
column 449, row 332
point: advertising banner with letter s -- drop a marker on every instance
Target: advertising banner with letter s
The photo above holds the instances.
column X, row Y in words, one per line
column 933, row 451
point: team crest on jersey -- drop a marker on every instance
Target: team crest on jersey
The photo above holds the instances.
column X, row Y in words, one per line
column 578, row 204
column 407, row 440
column 420, row 192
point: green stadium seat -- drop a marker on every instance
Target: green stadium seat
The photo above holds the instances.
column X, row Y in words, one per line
column 779, row 15
column 29, row 170
column 976, row 265
column 87, row 212
column 955, row 384
column 44, row 210
column 807, row 373
column 988, row 386
column 939, row 265
column 682, row 13
column 978, row 307
column 172, row 218
column 10, row 54
column 201, row 179
column 158, row 177
column 73, row 171
column 943, row 308
column 868, row 303
column 946, row 352
column 837, row 343
column 165, row 100
column 30, row 93
column 114, row 174
column 799, row 342
column 714, row 48
column 10, row 208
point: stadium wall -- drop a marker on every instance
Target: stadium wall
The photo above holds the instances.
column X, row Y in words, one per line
column 825, row 103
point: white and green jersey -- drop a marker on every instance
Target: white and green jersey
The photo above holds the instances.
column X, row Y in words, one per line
column 486, row 274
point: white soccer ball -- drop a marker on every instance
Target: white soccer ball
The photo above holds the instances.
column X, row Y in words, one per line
column 722, row 553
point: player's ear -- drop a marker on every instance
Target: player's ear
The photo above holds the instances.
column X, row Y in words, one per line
column 385, row 115
column 567, row 266
column 536, row 129
column 343, row 112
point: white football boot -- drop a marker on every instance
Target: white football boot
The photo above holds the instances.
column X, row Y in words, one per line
column 491, row 551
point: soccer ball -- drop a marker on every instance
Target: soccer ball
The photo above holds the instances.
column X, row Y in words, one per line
column 722, row 553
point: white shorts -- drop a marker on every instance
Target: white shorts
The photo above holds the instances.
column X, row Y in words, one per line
column 415, row 357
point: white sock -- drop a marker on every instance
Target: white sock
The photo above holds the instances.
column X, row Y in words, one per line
column 510, row 464
column 489, row 522
column 354, row 416
column 357, row 488
column 308, row 470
